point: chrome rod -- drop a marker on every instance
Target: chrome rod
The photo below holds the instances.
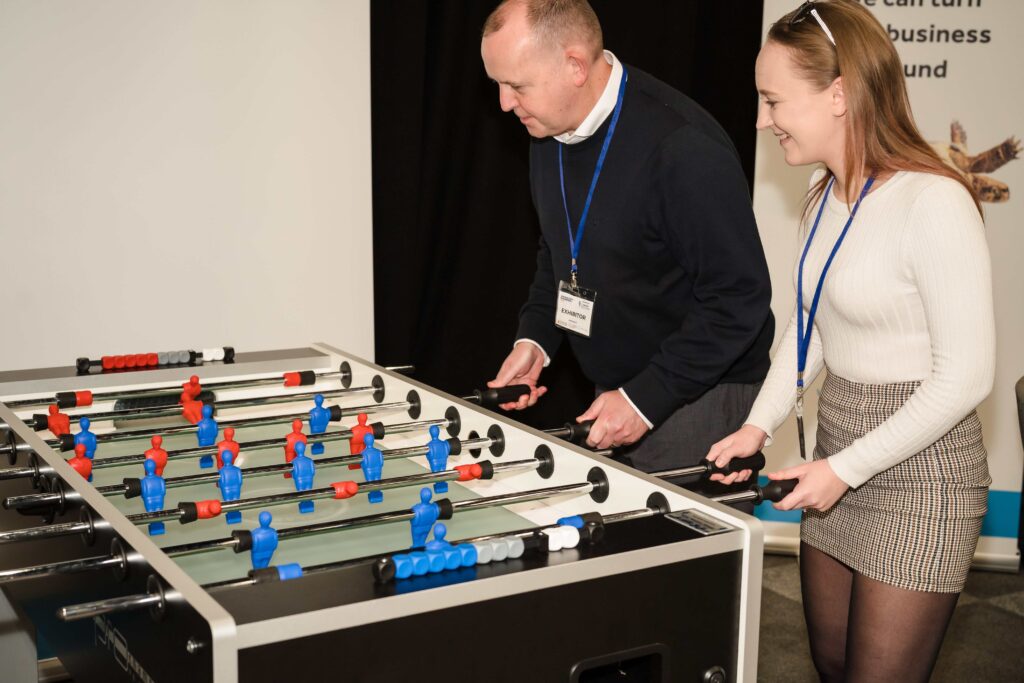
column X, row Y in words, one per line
column 633, row 514
column 32, row 499
column 264, row 444
column 17, row 473
column 68, row 567
column 522, row 497
column 88, row 610
column 175, row 411
column 230, row 421
column 741, row 497
column 40, row 532
column 692, row 471
column 211, row 385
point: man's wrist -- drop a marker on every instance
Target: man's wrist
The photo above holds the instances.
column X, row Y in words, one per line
column 635, row 409
column 525, row 340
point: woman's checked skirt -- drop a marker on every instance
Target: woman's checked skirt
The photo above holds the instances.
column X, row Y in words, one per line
column 915, row 525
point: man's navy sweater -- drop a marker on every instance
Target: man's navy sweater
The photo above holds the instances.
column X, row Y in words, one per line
column 670, row 247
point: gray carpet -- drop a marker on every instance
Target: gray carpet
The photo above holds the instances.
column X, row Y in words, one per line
column 985, row 640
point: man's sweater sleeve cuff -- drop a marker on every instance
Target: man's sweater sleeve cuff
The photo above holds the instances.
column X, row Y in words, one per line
column 637, row 410
column 650, row 397
column 524, row 340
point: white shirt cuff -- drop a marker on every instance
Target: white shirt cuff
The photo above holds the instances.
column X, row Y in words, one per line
column 637, row 410
column 547, row 358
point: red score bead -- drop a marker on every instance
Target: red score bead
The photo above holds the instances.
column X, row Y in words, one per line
column 118, row 362
column 108, row 362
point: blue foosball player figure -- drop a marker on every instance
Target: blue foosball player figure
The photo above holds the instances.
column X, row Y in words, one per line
column 230, row 485
column 264, row 542
column 153, row 491
column 303, row 471
column 453, row 557
column 319, row 417
column 84, row 436
column 373, row 466
column 438, row 451
column 424, row 514
column 440, row 531
column 206, row 433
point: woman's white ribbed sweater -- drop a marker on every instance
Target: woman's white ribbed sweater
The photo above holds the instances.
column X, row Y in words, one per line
column 907, row 297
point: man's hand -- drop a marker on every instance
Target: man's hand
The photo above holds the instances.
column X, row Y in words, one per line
column 742, row 443
column 522, row 366
column 615, row 422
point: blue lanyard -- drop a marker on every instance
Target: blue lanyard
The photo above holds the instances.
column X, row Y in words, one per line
column 803, row 340
column 574, row 242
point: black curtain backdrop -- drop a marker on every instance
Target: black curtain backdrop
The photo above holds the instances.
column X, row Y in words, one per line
column 454, row 231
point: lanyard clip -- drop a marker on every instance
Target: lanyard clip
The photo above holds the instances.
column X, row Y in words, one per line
column 799, row 394
column 572, row 276
column 799, row 409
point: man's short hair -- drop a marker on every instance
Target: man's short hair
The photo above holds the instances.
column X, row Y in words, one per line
column 554, row 22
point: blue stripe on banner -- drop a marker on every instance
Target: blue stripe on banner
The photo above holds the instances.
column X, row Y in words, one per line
column 1002, row 520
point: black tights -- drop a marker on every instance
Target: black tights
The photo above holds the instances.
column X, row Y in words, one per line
column 864, row 630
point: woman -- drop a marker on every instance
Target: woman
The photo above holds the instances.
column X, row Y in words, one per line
column 895, row 301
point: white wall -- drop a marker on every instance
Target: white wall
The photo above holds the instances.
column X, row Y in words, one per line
column 183, row 174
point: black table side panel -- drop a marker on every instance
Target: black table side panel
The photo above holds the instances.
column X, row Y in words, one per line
column 691, row 608
column 353, row 584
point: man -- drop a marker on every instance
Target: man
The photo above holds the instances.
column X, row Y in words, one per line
column 649, row 262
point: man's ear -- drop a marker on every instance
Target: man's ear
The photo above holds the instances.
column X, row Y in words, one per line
column 578, row 65
column 838, row 97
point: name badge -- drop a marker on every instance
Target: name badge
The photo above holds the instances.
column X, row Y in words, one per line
column 574, row 308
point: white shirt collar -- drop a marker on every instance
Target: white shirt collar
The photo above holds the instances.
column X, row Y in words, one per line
column 604, row 107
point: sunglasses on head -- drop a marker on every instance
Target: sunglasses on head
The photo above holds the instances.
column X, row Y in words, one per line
column 807, row 9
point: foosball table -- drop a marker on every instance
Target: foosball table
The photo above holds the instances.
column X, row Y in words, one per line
column 305, row 513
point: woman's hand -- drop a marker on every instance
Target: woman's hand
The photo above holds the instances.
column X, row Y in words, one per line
column 742, row 443
column 819, row 487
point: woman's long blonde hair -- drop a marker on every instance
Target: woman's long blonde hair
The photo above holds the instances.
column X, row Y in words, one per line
column 881, row 135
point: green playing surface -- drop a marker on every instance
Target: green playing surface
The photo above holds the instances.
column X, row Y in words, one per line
column 333, row 546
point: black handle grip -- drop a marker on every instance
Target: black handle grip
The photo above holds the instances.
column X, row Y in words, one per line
column 753, row 462
column 578, row 431
column 499, row 395
column 777, row 490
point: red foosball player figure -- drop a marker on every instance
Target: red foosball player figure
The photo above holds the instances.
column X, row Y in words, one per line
column 192, row 411
column 294, row 437
column 228, row 444
column 157, row 454
column 190, row 390
column 57, row 422
column 355, row 444
column 80, row 463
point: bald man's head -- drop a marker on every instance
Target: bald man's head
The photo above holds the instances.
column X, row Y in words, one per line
column 547, row 59
column 553, row 23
